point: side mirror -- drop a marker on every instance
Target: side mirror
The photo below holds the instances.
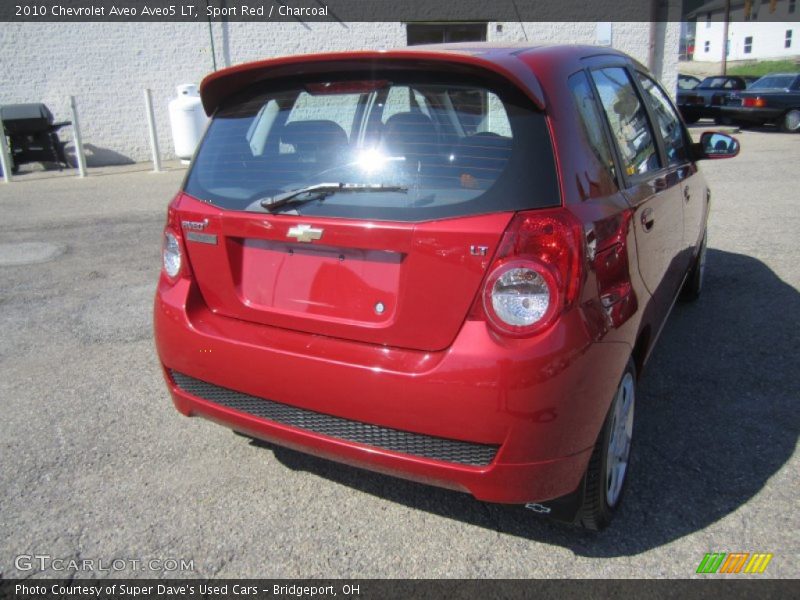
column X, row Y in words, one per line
column 716, row 145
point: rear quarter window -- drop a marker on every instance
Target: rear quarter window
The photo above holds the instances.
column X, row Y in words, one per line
column 590, row 120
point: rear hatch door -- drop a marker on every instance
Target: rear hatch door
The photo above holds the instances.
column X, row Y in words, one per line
column 399, row 268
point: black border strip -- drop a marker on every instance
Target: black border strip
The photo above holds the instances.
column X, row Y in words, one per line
column 264, row 11
column 388, row 589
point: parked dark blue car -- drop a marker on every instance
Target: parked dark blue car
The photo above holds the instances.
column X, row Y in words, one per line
column 774, row 99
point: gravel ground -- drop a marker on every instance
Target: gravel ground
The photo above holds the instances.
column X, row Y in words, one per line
column 96, row 463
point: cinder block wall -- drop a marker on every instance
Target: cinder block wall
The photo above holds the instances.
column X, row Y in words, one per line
column 106, row 66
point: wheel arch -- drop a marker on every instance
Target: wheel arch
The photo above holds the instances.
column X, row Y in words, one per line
column 641, row 349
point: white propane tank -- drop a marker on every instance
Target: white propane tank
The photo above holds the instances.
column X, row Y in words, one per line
column 187, row 119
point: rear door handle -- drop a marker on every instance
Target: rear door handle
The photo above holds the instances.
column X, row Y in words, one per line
column 648, row 220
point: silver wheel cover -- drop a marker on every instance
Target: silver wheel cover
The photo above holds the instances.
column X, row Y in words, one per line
column 619, row 441
column 792, row 120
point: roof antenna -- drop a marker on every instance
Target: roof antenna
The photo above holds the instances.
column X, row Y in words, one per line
column 519, row 19
column 211, row 39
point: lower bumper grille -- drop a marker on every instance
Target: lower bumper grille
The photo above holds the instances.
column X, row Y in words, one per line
column 395, row 440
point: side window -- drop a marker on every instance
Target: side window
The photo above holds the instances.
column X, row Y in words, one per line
column 479, row 111
column 401, row 99
column 668, row 122
column 398, row 101
column 628, row 120
column 591, row 121
column 260, row 127
column 339, row 108
column 470, row 106
column 495, row 119
column 422, row 103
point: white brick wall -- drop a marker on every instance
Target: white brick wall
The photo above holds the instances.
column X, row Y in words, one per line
column 107, row 65
column 632, row 38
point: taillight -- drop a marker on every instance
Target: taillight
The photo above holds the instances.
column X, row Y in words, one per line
column 173, row 257
column 756, row 102
column 536, row 273
column 171, row 254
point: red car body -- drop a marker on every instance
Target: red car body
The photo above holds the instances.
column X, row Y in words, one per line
column 429, row 388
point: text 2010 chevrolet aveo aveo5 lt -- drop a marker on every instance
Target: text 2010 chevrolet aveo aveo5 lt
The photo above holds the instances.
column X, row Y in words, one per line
column 447, row 263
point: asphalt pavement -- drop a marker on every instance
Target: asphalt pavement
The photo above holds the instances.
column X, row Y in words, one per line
column 95, row 463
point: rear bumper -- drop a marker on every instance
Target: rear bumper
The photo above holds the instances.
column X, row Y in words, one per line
column 700, row 111
column 539, row 404
column 751, row 114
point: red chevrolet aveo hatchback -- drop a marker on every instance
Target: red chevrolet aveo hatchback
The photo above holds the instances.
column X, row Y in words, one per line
column 447, row 263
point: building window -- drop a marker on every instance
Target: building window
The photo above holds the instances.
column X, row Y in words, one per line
column 706, row 46
column 441, row 33
column 788, row 42
column 748, row 44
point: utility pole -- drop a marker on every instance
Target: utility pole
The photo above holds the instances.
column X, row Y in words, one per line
column 725, row 37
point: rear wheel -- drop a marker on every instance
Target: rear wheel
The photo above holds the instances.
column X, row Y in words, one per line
column 791, row 121
column 694, row 282
column 605, row 477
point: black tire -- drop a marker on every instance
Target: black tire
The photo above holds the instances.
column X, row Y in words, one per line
column 790, row 123
column 599, row 505
column 720, row 120
column 691, row 120
column 693, row 285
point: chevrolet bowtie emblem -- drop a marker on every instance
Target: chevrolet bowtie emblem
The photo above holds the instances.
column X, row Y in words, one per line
column 304, row 233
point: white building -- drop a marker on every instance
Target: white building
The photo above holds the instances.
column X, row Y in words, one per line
column 106, row 66
column 771, row 30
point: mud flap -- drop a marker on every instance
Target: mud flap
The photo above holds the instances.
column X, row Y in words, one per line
column 566, row 509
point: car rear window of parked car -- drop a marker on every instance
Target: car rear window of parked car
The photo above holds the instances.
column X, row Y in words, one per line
column 722, row 83
column 456, row 147
column 774, row 82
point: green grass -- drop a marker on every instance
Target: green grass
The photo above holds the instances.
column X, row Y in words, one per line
column 766, row 66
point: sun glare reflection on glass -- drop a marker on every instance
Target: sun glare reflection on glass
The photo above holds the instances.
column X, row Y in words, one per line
column 374, row 160
column 371, row 160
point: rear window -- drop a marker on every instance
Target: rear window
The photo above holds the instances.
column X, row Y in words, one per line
column 452, row 148
column 719, row 83
column 773, row 82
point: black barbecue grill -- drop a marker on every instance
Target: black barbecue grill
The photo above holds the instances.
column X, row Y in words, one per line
column 32, row 134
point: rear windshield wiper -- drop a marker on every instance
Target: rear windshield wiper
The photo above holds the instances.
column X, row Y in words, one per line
column 318, row 191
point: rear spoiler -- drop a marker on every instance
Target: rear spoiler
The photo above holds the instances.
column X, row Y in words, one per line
column 218, row 86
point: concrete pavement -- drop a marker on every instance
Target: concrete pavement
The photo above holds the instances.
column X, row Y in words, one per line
column 96, row 463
